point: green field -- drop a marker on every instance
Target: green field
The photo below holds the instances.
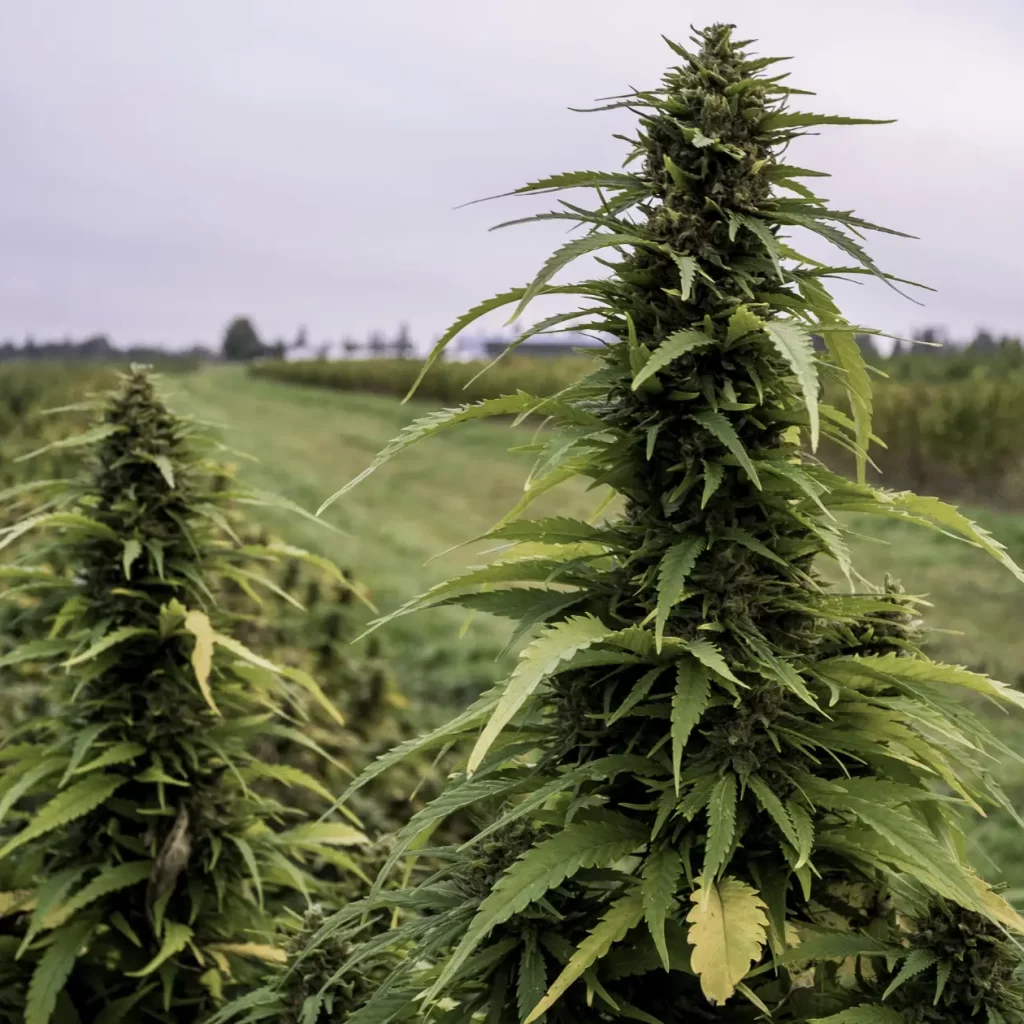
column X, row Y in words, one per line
column 450, row 489
column 308, row 442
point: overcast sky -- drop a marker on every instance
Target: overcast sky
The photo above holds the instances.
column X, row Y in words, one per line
column 168, row 165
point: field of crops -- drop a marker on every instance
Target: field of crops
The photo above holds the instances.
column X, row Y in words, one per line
column 957, row 436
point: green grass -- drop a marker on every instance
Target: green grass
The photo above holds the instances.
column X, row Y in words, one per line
column 450, row 489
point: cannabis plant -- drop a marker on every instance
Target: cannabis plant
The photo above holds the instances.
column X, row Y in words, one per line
column 146, row 863
column 719, row 787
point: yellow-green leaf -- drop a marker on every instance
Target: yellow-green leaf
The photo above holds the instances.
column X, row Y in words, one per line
column 198, row 624
column 176, row 938
column 254, row 950
column 728, row 928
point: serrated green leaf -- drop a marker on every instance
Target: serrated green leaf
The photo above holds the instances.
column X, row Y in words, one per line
column 132, row 550
column 621, row 917
column 89, row 437
column 721, row 812
column 673, row 347
column 713, row 474
column 289, row 775
column 845, row 353
column 786, row 119
column 711, row 657
column 917, row 962
column 556, row 644
column 676, row 565
column 728, row 929
column 866, row 1013
column 24, row 783
column 118, row 753
column 569, row 252
column 767, row 239
column 49, row 896
column 175, row 938
column 69, row 804
column 950, row 518
column 434, row 423
column 689, row 702
column 112, row 639
column 251, row 864
column 687, row 272
column 751, row 543
column 544, row 866
column 533, row 978
column 794, row 344
column 718, row 426
column 112, row 878
column 54, row 969
column 775, row 808
column 163, row 463
column 804, row 831
column 741, row 323
column 661, row 873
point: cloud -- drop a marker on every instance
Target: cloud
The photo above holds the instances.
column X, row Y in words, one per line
column 168, row 166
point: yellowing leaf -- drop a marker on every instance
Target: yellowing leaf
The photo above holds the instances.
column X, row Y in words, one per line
column 14, row 901
column 198, row 624
column 728, row 928
column 623, row 915
column 255, row 950
column 324, row 833
column 997, row 907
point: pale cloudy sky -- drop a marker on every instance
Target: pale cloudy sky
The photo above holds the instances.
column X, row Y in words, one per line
column 167, row 165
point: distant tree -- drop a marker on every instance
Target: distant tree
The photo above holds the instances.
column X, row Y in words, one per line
column 301, row 339
column 350, row 347
column 983, row 344
column 324, row 350
column 377, row 345
column 241, row 342
column 402, row 345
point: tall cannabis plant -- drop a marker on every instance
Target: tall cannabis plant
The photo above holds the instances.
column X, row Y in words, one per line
column 721, row 788
column 145, row 861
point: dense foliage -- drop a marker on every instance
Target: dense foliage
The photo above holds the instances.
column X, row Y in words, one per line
column 145, row 862
column 715, row 787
